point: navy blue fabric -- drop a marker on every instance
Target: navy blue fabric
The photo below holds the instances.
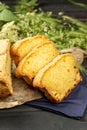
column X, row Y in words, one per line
column 73, row 106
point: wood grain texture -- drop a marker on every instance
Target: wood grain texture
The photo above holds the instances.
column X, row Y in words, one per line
column 58, row 6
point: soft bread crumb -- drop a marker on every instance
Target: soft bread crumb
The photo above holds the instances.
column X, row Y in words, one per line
column 58, row 78
column 37, row 59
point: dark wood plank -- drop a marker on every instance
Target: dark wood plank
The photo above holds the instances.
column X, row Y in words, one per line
column 59, row 6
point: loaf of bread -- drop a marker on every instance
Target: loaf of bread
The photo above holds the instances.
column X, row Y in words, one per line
column 58, row 78
column 22, row 47
column 36, row 60
column 5, row 69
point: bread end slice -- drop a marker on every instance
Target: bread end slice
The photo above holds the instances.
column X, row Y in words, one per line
column 5, row 69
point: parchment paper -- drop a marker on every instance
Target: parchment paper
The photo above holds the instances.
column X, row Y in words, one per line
column 22, row 93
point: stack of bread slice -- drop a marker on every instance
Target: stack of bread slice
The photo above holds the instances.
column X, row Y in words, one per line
column 40, row 64
column 5, row 69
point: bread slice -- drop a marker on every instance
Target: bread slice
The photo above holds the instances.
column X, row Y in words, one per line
column 58, row 78
column 5, row 69
column 34, row 61
column 22, row 47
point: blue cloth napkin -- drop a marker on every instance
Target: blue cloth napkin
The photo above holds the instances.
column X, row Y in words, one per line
column 73, row 106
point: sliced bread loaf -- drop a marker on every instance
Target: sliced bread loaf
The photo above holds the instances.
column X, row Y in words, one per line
column 5, row 69
column 58, row 78
column 35, row 60
column 22, row 47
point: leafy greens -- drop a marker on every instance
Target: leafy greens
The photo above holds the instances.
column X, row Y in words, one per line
column 64, row 31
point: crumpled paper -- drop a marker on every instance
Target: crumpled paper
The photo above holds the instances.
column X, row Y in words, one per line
column 22, row 93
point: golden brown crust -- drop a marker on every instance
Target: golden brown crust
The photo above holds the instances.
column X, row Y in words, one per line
column 4, row 90
column 15, row 49
column 29, row 81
